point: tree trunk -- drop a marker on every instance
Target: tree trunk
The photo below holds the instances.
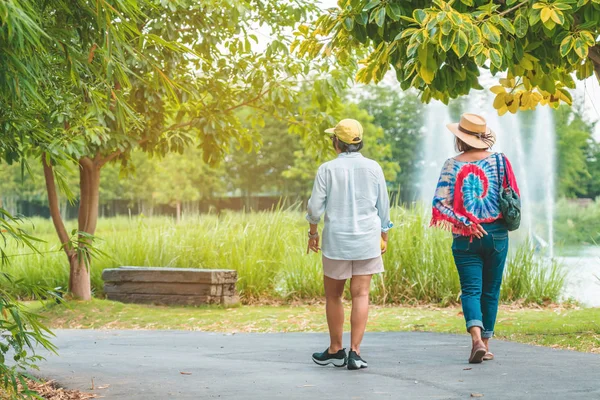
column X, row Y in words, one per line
column 89, row 189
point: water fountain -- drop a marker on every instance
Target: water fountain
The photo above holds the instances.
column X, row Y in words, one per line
column 438, row 144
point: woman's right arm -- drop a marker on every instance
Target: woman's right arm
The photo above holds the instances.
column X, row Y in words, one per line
column 318, row 199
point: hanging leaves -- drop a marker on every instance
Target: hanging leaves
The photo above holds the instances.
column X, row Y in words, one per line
column 438, row 50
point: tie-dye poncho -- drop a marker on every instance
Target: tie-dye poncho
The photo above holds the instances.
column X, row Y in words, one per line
column 468, row 193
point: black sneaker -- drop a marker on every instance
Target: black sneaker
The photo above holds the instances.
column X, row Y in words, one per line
column 355, row 362
column 325, row 358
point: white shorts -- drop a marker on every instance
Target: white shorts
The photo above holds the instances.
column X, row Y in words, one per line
column 346, row 269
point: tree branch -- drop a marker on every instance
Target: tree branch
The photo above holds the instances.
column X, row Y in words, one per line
column 521, row 4
column 594, row 55
column 243, row 104
column 101, row 161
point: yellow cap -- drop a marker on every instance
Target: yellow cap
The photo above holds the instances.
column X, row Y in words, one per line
column 349, row 131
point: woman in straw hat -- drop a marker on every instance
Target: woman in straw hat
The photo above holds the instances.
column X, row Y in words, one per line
column 351, row 191
column 467, row 201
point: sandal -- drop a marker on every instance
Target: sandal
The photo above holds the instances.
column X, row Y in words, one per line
column 477, row 353
column 488, row 356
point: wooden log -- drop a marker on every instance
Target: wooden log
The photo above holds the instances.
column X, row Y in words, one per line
column 198, row 289
column 171, row 299
column 169, row 275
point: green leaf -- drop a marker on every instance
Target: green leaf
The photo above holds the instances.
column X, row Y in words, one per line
column 411, row 50
column 420, row 36
column 588, row 38
column 362, row 18
column 423, row 54
column 372, row 4
column 549, row 25
column 476, row 50
column 467, row 2
column 546, row 14
column 507, row 25
column 396, row 10
column 519, row 52
column 566, row 45
column 475, row 35
column 548, row 84
column 455, row 18
column 581, row 49
column 420, row 16
column 491, row 33
column 389, row 10
column 405, row 33
column 496, row 58
column 558, row 17
column 526, row 63
column 480, row 59
column 562, row 6
column 461, row 45
column 446, row 27
column 348, row 24
column 534, row 17
column 582, row 3
column 446, row 41
column 511, row 2
column 380, row 17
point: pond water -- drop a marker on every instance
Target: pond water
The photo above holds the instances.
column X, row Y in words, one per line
column 583, row 274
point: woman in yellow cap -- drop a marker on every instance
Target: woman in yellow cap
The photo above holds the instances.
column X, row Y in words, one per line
column 351, row 192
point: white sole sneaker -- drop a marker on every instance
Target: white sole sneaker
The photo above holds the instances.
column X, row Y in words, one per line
column 337, row 362
column 354, row 364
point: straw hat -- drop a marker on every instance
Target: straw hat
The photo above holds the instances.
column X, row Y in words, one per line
column 473, row 130
column 349, row 131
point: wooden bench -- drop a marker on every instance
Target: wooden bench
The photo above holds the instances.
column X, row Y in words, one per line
column 180, row 286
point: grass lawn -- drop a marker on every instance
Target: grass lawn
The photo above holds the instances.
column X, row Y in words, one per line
column 568, row 328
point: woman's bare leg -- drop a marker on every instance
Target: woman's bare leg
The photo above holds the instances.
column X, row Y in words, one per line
column 334, row 290
column 359, row 288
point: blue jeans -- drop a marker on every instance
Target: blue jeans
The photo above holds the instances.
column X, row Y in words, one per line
column 480, row 264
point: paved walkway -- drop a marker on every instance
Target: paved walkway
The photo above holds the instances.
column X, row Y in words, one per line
column 163, row 365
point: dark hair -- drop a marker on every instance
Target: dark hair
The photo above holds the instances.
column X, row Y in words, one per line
column 347, row 148
column 461, row 146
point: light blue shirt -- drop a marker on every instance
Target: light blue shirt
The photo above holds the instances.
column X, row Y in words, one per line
column 352, row 193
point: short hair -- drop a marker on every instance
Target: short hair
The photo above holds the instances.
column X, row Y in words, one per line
column 348, row 148
column 461, row 146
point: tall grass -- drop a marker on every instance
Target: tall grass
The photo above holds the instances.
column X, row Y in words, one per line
column 268, row 250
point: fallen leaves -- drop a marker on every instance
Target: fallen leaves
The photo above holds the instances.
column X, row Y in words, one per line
column 49, row 391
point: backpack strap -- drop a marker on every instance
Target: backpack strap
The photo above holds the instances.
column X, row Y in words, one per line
column 500, row 179
column 505, row 171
